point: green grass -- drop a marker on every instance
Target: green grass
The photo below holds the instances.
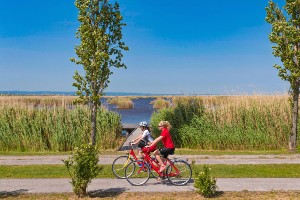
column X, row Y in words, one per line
column 44, row 171
column 255, row 171
column 219, row 171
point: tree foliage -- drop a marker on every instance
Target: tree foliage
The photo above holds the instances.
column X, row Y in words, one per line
column 285, row 35
column 100, row 49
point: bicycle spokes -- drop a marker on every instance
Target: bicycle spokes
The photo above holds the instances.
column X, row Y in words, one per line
column 179, row 172
column 137, row 172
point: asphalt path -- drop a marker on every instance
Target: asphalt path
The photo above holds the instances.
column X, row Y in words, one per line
column 199, row 159
column 11, row 186
column 17, row 186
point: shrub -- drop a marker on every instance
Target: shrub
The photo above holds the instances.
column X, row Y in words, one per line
column 179, row 115
column 205, row 184
column 83, row 167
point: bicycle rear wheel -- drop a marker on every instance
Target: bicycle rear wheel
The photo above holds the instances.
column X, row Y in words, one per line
column 119, row 165
column 137, row 172
column 179, row 172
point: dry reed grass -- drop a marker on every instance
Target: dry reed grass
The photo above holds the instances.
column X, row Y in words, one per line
column 121, row 102
column 160, row 103
column 37, row 101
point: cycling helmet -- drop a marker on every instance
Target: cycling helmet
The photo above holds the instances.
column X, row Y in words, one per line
column 143, row 123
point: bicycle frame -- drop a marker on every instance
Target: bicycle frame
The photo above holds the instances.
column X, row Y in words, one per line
column 156, row 167
column 131, row 152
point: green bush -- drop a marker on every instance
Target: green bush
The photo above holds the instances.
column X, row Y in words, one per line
column 228, row 123
column 205, row 184
column 179, row 115
column 83, row 167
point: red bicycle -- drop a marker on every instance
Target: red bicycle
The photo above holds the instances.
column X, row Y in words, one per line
column 121, row 162
column 178, row 171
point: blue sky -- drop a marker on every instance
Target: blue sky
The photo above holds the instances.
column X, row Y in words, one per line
column 192, row 47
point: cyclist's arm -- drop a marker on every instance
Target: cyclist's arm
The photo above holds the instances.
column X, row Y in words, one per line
column 136, row 140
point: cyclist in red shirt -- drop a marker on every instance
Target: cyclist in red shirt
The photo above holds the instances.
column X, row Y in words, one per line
column 167, row 141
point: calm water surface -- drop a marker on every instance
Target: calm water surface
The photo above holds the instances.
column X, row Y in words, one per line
column 142, row 111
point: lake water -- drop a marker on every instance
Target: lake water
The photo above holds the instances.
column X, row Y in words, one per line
column 141, row 111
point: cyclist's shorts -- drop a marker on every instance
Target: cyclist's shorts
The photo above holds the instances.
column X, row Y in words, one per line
column 166, row 151
column 149, row 149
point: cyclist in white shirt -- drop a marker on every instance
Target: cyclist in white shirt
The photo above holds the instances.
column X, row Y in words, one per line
column 145, row 139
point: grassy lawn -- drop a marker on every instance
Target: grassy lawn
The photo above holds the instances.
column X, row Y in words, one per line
column 244, row 195
column 219, row 171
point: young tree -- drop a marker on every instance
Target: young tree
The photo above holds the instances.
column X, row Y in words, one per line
column 100, row 33
column 286, row 35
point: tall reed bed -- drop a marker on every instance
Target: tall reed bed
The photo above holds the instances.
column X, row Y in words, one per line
column 230, row 122
column 121, row 102
column 37, row 101
column 160, row 103
column 54, row 129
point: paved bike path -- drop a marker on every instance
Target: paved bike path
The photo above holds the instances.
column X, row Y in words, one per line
column 199, row 159
column 121, row 185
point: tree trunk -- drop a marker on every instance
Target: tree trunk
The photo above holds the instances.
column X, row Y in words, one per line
column 93, row 121
column 293, row 136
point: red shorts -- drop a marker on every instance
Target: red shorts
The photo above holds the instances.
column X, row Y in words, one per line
column 149, row 149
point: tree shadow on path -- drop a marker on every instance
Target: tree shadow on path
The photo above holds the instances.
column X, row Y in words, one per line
column 15, row 193
column 112, row 192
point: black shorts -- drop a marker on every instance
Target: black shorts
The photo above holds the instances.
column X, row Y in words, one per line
column 166, row 151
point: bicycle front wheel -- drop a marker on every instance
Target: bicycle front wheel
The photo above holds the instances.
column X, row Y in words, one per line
column 137, row 172
column 119, row 165
column 179, row 172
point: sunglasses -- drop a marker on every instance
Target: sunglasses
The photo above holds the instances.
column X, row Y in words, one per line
column 160, row 126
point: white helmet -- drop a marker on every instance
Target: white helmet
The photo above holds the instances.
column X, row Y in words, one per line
column 143, row 123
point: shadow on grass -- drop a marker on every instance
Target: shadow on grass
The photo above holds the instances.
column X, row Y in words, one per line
column 218, row 194
column 112, row 192
column 6, row 194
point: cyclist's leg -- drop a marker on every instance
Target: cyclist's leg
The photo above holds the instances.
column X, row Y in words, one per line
column 141, row 154
column 165, row 152
column 158, row 158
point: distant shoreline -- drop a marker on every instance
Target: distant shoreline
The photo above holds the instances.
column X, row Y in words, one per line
column 123, row 94
column 57, row 93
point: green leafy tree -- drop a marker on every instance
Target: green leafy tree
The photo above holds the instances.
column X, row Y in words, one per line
column 100, row 49
column 285, row 35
